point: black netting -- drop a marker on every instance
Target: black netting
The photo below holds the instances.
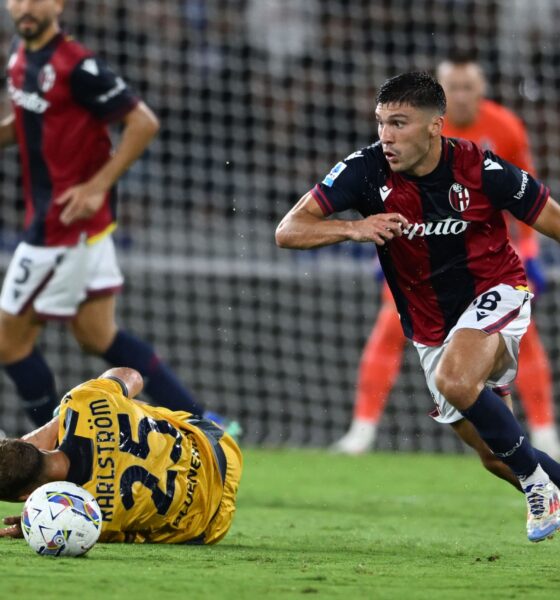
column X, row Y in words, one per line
column 257, row 100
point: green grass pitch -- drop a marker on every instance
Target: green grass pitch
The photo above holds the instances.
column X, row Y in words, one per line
column 387, row 526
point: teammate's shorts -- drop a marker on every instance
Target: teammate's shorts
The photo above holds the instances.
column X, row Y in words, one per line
column 56, row 280
column 221, row 522
column 502, row 309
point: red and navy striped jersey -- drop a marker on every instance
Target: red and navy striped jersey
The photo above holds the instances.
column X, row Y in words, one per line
column 456, row 246
column 63, row 97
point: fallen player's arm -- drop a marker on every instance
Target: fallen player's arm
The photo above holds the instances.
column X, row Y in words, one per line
column 44, row 437
column 305, row 226
column 14, row 527
column 130, row 378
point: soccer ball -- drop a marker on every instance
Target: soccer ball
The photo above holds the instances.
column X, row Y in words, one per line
column 61, row 519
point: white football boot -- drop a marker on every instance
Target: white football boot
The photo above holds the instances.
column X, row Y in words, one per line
column 543, row 510
column 359, row 439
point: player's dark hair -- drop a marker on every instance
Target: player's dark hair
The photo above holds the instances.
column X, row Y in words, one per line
column 417, row 88
column 20, row 466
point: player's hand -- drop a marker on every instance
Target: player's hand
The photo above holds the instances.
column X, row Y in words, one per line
column 379, row 228
column 81, row 202
column 14, row 529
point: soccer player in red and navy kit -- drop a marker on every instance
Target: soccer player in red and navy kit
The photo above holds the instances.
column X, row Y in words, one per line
column 63, row 98
column 493, row 127
column 433, row 206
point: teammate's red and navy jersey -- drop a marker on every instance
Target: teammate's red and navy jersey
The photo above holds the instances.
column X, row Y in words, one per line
column 63, row 97
column 456, row 246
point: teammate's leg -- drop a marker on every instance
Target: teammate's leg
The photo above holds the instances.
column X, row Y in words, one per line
column 25, row 366
column 379, row 367
column 95, row 329
column 534, row 383
column 470, row 359
column 466, row 431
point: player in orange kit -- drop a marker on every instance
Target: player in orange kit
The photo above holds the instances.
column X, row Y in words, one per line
column 493, row 127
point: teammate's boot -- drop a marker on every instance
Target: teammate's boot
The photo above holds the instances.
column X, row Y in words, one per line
column 359, row 439
column 543, row 510
column 230, row 426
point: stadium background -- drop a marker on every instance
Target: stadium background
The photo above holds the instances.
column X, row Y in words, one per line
column 258, row 99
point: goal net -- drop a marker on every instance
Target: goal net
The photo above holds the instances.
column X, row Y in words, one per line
column 257, row 100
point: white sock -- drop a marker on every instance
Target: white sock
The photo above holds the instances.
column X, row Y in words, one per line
column 537, row 476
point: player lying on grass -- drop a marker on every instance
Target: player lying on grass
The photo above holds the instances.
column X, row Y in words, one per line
column 433, row 205
column 159, row 476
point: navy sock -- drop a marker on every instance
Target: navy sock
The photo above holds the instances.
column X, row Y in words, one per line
column 497, row 426
column 160, row 383
column 549, row 465
column 34, row 382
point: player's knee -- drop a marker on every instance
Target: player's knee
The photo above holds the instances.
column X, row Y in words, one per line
column 93, row 340
column 455, row 387
column 91, row 343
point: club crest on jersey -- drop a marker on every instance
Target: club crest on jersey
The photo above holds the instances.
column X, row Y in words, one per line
column 459, row 197
column 46, row 78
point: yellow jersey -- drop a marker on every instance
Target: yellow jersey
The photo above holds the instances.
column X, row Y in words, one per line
column 157, row 475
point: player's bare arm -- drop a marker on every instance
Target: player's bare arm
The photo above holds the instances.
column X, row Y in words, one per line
column 130, row 377
column 44, row 437
column 7, row 131
column 305, row 226
column 548, row 222
column 84, row 200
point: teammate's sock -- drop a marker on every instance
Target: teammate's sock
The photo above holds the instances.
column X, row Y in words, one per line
column 534, row 381
column 34, row 382
column 550, row 466
column 160, row 383
column 379, row 366
column 498, row 427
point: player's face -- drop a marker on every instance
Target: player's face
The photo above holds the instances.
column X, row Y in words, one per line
column 464, row 87
column 35, row 19
column 410, row 137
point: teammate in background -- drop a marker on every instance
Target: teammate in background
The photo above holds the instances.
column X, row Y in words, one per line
column 63, row 97
column 433, row 206
column 176, row 484
column 493, row 127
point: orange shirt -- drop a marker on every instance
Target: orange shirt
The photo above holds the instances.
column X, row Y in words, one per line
column 497, row 129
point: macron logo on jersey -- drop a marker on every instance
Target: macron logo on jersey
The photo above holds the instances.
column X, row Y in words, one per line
column 90, row 66
column 384, row 192
column 491, row 165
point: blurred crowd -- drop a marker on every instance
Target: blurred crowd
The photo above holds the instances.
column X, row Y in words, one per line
column 255, row 96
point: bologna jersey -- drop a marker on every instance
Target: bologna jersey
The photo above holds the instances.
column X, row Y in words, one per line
column 63, row 97
column 497, row 129
column 156, row 474
column 456, row 246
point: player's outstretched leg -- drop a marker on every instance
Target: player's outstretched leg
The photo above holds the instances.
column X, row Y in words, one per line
column 465, row 365
column 499, row 428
